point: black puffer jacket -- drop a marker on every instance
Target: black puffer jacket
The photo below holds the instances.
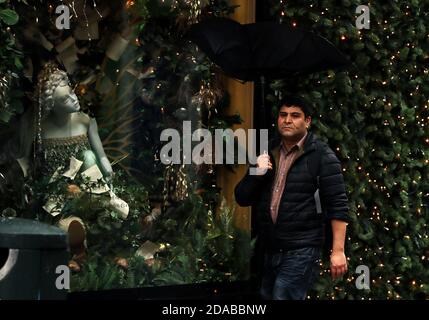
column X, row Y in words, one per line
column 298, row 223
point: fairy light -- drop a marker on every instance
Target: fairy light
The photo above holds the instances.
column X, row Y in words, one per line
column 282, row 11
column 37, row 17
column 94, row 4
column 86, row 20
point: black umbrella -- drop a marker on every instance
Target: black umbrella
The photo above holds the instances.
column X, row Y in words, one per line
column 256, row 51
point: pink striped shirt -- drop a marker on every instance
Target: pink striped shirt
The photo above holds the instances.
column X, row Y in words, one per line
column 286, row 159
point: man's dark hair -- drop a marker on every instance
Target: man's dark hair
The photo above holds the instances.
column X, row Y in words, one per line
column 298, row 101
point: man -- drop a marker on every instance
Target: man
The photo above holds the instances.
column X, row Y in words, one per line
column 297, row 178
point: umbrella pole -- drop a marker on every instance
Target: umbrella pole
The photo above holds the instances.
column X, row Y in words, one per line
column 262, row 110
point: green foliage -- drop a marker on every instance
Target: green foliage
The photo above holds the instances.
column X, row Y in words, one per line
column 372, row 116
column 10, row 64
column 9, row 17
column 216, row 252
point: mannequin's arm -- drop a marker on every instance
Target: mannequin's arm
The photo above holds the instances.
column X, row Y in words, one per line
column 97, row 148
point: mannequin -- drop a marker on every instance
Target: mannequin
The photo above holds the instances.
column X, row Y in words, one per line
column 59, row 121
column 61, row 132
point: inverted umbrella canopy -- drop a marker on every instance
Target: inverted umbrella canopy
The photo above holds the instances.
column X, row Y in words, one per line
column 264, row 49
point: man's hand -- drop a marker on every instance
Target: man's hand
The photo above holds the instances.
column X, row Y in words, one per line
column 338, row 264
column 263, row 163
column 338, row 258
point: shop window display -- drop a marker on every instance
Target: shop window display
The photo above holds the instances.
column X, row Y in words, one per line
column 82, row 113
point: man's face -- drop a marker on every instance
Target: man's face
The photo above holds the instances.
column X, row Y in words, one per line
column 292, row 123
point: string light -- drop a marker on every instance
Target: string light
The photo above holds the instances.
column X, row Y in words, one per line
column 282, row 11
column 86, row 20
column 37, row 17
column 74, row 9
column 95, row 8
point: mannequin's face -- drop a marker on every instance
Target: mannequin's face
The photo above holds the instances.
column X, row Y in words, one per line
column 65, row 100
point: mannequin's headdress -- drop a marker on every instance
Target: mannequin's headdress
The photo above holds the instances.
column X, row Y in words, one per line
column 49, row 78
